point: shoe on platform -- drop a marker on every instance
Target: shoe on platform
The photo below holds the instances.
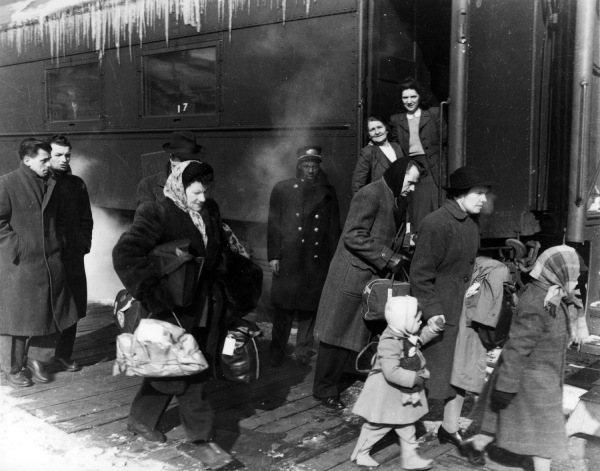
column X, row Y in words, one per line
column 416, row 463
column 475, row 457
column 138, row 428
column 67, row 365
column 38, row 371
column 211, row 455
column 18, row 380
column 446, row 437
column 333, row 403
column 364, row 459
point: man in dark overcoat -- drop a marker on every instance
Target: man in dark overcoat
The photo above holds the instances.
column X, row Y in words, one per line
column 181, row 147
column 75, row 215
column 303, row 230
column 35, row 302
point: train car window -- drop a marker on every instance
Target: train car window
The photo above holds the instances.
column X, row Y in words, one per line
column 74, row 93
column 178, row 83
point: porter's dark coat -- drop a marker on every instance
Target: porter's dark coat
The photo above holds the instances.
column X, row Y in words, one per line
column 362, row 254
column 34, row 297
column 75, row 213
column 440, row 274
column 303, row 231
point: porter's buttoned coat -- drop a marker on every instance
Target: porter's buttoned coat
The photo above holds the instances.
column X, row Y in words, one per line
column 440, row 274
column 362, row 253
column 34, row 298
column 371, row 164
column 303, row 232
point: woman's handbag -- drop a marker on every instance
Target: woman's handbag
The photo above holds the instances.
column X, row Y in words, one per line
column 127, row 312
column 375, row 296
column 158, row 349
column 239, row 358
column 180, row 270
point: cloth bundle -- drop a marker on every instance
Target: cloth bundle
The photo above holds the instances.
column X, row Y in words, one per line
column 158, row 349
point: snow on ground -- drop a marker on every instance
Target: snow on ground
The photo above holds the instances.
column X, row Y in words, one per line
column 30, row 444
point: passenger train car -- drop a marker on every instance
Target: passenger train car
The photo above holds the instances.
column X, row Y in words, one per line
column 518, row 82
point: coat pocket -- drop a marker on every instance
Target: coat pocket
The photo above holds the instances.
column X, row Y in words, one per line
column 356, row 277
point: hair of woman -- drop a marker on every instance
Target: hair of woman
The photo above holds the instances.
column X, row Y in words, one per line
column 411, row 84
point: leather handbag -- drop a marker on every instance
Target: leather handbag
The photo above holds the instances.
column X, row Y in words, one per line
column 239, row 359
column 180, row 270
column 158, row 349
column 127, row 312
column 375, row 296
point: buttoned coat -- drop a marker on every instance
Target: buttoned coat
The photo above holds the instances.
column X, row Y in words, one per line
column 371, row 164
column 532, row 366
column 151, row 188
column 34, row 297
column 380, row 400
column 440, row 274
column 425, row 198
column 76, row 224
column 362, row 254
column 303, row 231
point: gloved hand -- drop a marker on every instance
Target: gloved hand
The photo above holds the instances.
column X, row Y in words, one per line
column 419, row 381
column 395, row 263
column 502, row 399
column 436, row 324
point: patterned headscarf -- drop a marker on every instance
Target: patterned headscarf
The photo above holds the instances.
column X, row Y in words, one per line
column 175, row 191
column 557, row 268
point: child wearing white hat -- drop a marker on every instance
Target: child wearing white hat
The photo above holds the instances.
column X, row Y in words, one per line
column 393, row 396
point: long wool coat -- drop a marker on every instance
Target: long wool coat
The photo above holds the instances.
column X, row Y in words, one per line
column 425, row 197
column 158, row 223
column 151, row 188
column 362, row 254
column 303, row 232
column 380, row 401
column 75, row 213
column 34, row 297
column 371, row 164
column 532, row 365
column 440, row 274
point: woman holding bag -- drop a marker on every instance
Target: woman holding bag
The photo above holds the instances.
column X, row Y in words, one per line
column 186, row 213
column 363, row 252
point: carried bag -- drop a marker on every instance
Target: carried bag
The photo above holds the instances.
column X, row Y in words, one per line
column 158, row 349
column 180, row 270
column 239, row 357
column 491, row 337
column 375, row 296
column 127, row 312
column 242, row 282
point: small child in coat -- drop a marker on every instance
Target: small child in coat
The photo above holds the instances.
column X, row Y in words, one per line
column 393, row 396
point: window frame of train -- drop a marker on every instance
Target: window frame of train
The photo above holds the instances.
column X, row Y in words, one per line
column 181, row 112
column 90, row 85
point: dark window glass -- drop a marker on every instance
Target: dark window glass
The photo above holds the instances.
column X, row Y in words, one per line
column 74, row 93
column 180, row 82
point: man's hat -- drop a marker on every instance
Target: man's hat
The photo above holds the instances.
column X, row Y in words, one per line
column 309, row 153
column 468, row 177
column 183, row 146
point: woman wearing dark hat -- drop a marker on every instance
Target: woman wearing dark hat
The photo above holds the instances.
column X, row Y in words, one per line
column 440, row 274
column 185, row 213
column 377, row 157
column 373, row 231
column 417, row 131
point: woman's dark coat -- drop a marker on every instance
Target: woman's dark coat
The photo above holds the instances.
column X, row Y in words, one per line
column 440, row 274
column 155, row 224
column 362, row 254
column 75, row 215
column 532, row 365
column 303, row 231
column 371, row 164
column 425, row 198
column 34, row 297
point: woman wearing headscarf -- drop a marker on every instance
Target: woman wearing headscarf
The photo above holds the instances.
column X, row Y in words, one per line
column 371, row 236
column 440, row 274
column 185, row 213
column 525, row 411
column 375, row 158
column 417, row 130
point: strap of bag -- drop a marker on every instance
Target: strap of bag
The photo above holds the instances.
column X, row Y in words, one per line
column 358, row 357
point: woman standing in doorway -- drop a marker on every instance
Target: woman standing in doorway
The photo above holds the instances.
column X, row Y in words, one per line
column 417, row 131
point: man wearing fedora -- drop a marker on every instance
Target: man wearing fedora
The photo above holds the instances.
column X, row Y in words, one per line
column 440, row 274
column 302, row 235
column 182, row 147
